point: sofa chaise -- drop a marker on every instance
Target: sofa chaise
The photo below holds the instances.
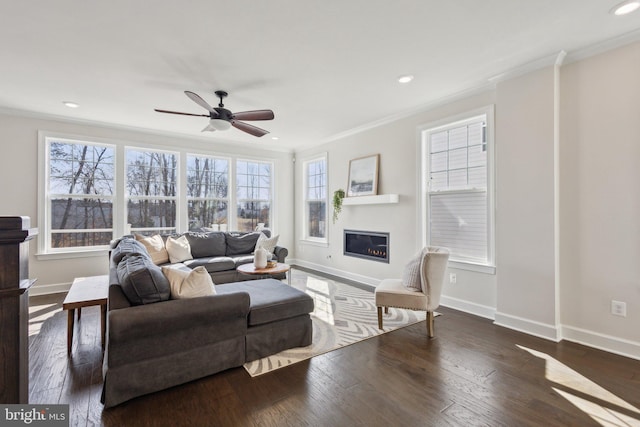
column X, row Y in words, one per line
column 155, row 342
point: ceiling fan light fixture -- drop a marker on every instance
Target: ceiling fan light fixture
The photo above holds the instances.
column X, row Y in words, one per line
column 219, row 124
column 625, row 7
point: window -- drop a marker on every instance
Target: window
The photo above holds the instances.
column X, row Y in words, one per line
column 457, row 165
column 315, row 199
column 207, row 191
column 93, row 190
column 79, row 192
column 253, row 182
column 151, row 181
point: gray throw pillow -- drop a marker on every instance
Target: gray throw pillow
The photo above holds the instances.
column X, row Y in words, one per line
column 240, row 245
column 142, row 281
column 207, row 244
column 128, row 246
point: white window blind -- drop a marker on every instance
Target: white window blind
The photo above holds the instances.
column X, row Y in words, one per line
column 457, row 189
column 459, row 222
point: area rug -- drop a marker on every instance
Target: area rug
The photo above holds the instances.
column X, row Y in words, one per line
column 343, row 315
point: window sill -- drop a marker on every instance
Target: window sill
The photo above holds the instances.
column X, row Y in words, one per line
column 321, row 244
column 74, row 254
column 478, row 268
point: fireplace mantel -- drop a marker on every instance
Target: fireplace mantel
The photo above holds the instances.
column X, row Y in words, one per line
column 371, row 200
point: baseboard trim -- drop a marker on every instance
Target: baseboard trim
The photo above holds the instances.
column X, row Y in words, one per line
column 468, row 307
column 370, row 281
column 55, row 288
column 527, row 326
column 608, row 343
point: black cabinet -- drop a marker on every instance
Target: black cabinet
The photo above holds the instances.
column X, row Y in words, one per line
column 14, row 308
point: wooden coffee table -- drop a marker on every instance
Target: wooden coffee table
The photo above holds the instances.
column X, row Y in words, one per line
column 266, row 272
column 86, row 292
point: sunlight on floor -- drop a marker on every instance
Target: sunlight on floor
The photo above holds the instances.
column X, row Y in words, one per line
column 601, row 405
column 320, row 291
column 38, row 314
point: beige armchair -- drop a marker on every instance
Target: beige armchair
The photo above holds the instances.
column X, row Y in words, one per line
column 394, row 293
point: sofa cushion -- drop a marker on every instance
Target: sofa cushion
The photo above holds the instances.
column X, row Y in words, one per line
column 155, row 247
column 178, row 248
column 212, row 264
column 126, row 247
column 142, row 281
column 207, row 244
column 241, row 245
column 271, row 300
column 242, row 259
column 189, row 284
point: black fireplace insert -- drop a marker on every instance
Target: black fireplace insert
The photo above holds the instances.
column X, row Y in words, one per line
column 367, row 245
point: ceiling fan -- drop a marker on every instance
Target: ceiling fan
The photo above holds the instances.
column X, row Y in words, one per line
column 222, row 119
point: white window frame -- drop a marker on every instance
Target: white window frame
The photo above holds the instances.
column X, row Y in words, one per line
column 229, row 197
column 236, row 200
column 120, row 197
column 175, row 199
column 423, row 138
column 44, row 199
column 305, row 222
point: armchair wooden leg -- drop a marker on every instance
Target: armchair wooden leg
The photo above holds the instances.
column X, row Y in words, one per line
column 386, row 310
column 430, row 324
column 379, row 317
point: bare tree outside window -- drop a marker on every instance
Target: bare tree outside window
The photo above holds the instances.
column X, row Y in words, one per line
column 253, row 182
column 80, row 194
column 316, row 198
column 207, row 191
column 151, row 191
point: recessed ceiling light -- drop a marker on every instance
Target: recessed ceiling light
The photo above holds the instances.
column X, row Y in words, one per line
column 275, row 138
column 626, row 7
column 405, row 79
column 71, row 104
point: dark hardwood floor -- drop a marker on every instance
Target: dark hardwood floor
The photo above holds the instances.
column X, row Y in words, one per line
column 472, row 373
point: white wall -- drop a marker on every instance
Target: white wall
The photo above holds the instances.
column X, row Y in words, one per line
column 592, row 182
column 399, row 148
column 600, row 190
column 525, row 203
column 19, row 175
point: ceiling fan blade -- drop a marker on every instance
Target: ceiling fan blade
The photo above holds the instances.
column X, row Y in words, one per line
column 246, row 127
column 254, row 115
column 178, row 112
column 201, row 102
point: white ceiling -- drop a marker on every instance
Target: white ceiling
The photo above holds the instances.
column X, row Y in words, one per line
column 323, row 67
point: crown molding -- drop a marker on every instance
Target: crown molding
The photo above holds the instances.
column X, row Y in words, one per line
column 201, row 140
column 462, row 94
column 603, row 46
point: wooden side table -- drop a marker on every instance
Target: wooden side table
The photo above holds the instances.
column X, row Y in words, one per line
column 86, row 292
column 266, row 272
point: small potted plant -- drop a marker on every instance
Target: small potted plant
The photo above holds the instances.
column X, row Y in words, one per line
column 338, row 195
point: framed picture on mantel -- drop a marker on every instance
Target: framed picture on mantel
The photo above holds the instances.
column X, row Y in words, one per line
column 363, row 176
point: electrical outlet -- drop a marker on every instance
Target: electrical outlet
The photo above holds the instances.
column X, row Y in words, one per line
column 619, row 308
column 452, row 278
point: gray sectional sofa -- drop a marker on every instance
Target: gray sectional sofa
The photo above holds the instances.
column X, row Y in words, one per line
column 154, row 342
column 221, row 252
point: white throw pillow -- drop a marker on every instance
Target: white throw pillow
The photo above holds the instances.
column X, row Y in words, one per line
column 189, row 284
column 155, row 247
column 411, row 278
column 268, row 243
column 179, row 249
